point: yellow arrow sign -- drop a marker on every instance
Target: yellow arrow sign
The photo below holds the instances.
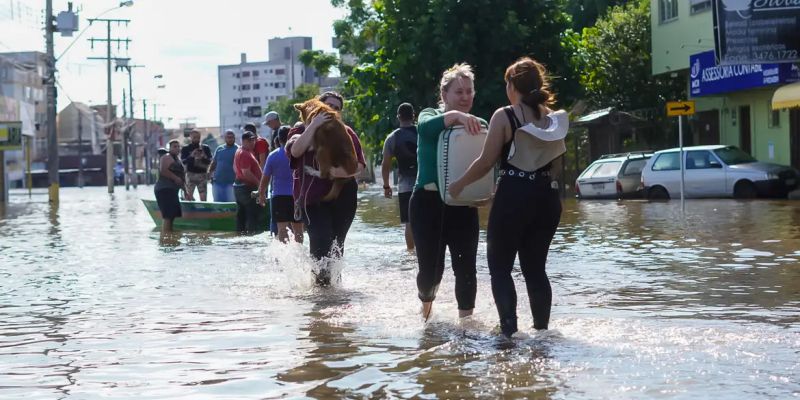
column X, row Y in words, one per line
column 675, row 108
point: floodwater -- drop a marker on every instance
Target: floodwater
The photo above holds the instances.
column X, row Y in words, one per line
column 93, row 304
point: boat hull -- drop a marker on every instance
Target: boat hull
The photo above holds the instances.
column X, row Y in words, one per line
column 204, row 216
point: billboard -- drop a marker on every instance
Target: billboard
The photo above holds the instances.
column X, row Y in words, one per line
column 10, row 136
column 708, row 78
column 756, row 31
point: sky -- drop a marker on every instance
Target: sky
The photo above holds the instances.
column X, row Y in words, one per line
column 182, row 40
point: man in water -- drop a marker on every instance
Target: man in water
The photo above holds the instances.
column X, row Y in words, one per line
column 402, row 145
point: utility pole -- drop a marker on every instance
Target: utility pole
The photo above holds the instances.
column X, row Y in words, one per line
column 132, row 136
column 109, row 126
column 147, row 141
column 50, row 89
column 80, row 147
column 125, row 135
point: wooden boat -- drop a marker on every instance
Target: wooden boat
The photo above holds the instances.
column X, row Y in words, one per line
column 203, row 215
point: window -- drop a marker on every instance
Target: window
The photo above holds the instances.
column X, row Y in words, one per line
column 774, row 119
column 701, row 159
column 245, row 87
column 256, row 99
column 668, row 10
column 280, row 71
column 606, row 170
column 245, row 100
column 235, row 87
column 635, row 167
column 255, row 74
column 245, row 74
column 731, row 155
column 256, row 86
column 698, row 6
column 666, row 162
column 270, row 71
column 235, row 74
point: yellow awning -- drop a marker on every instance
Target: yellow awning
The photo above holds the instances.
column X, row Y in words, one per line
column 786, row 96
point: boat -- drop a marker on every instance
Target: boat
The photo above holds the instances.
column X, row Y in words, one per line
column 203, row 215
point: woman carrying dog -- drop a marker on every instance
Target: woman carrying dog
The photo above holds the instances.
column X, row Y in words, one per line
column 327, row 222
column 434, row 224
column 526, row 137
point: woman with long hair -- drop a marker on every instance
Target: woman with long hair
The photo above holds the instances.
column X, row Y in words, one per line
column 526, row 137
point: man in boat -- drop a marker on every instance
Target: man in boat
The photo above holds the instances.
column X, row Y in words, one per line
column 221, row 169
column 402, row 146
column 196, row 157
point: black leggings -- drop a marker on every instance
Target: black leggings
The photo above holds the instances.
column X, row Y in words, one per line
column 328, row 222
column 247, row 210
column 436, row 226
column 523, row 220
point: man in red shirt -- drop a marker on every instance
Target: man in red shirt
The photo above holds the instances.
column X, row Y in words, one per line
column 261, row 148
column 248, row 176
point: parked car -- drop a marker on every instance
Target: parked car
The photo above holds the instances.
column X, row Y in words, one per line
column 612, row 176
column 715, row 171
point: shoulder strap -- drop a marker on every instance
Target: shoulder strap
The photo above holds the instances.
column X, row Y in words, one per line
column 512, row 119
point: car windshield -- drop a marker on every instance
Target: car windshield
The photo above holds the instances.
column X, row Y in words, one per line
column 731, row 155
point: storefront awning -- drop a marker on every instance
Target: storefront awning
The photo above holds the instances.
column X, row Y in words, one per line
column 786, row 96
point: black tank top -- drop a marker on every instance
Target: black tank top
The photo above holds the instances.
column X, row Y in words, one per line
column 506, row 151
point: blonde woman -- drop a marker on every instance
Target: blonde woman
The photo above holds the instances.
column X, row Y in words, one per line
column 525, row 137
column 435, row 225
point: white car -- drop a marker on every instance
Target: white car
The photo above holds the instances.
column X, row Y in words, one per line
column 612, row 176
column 715, row 171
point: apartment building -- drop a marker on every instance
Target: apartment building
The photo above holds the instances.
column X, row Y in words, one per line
column 246, row 88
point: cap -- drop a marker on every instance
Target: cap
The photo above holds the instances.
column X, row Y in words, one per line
column 162, row 151
column 227, row 131
column 270, row 116
column 248, row 135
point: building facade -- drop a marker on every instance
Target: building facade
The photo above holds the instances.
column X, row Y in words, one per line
column 733, row 101
column 22, row 98
column 246, row 88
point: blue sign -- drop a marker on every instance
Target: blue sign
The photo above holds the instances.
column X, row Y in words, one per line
column 708, row 78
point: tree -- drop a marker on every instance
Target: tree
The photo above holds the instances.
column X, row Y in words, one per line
column 613, row 61
column 402, row 47
column 285, row 106
column 586, row 12
column 321, row 62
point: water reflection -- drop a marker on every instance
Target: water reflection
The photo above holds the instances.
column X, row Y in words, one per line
column 648, row 303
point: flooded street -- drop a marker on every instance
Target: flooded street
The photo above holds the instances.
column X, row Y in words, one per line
column 646, row 304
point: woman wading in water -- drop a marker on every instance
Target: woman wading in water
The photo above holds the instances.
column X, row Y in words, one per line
column 434, row 224
column 527, row 208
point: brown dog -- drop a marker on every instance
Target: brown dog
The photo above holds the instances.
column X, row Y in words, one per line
column 332, row 144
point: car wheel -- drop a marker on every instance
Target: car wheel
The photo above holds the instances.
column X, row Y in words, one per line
column 744, row 190
column 657, row 193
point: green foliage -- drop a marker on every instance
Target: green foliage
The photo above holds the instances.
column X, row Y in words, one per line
column 321, row 62
column 285, row 106
column 403, row 46
column 585, row 12
column 613, row 61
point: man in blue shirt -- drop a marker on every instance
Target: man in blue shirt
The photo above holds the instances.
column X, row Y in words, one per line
column 221, row 169
column 278, row 171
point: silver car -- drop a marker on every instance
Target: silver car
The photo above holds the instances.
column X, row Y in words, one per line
column 612, row 176
column 715, row 171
